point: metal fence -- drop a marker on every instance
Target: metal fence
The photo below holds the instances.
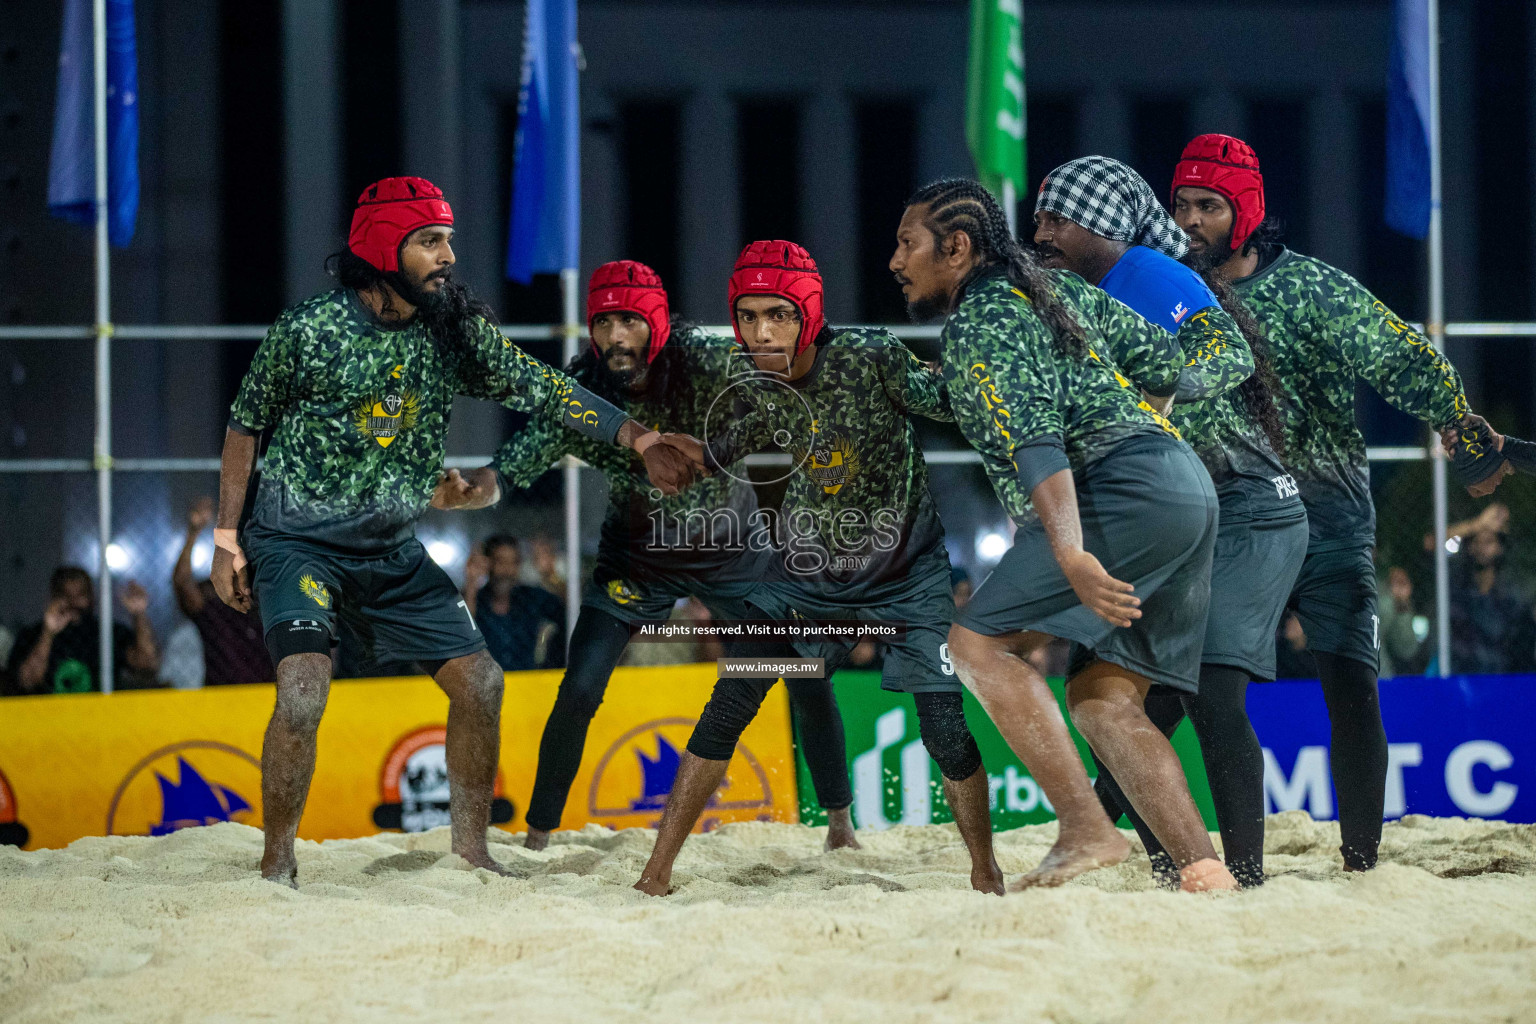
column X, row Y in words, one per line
column 575, row 514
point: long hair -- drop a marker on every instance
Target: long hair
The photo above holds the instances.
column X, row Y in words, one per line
column 449, row 313
column 669, row 378
column 960, row 204
column 1259, row 390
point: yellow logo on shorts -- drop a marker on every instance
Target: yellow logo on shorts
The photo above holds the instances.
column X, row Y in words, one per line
column 620, row 592
column 315, row 590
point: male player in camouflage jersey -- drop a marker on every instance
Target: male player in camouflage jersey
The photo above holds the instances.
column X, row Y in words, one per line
column 356, row 386
column 656, row 548
column 860, row 538
column 1325, row 334
column 1117, row 555
column 1089, row 213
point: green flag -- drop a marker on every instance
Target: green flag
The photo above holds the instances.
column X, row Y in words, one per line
column 994, row 93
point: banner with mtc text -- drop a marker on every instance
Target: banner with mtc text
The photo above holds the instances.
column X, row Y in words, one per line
column 152, row 762
column 1464, row 746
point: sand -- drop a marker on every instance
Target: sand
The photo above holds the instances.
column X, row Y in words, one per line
column 764, row 927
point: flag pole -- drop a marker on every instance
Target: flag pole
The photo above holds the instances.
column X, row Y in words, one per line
column 1436, row 328
column 103, row 459
column 570, row 303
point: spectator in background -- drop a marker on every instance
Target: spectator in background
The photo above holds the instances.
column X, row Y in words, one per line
column 548, row 570
column 1491, row 626
column 523, row 626
column 234, row 648
column 62, row 653
column 1403, row 653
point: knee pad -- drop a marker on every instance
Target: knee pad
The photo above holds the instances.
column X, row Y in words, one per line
column 941, row 723
column 298, row 636
column 730, row 710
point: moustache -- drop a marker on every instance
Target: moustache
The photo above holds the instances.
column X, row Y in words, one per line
column 902, row 279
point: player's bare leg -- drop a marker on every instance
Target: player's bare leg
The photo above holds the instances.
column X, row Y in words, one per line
column 969, row 801
column 288, row 759
column 697, row 779
column 474, row 686
column 536, row 839
column 840, row 832
column 1025, row 712
column 1105, row 701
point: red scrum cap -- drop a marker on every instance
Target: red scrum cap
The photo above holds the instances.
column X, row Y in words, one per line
column 784, row 269
column 1229, row 166
column 635, row 288
column 387, row 212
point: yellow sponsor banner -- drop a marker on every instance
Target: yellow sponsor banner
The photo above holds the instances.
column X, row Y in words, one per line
column 148, row 762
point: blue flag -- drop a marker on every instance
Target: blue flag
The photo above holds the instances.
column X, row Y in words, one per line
column 1408, row 188
column 72, row 165
column 545, row 231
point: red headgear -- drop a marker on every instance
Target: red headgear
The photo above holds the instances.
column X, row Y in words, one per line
column 1229, row 166
column 784, row 269
column 635, row 287
column 389, row 210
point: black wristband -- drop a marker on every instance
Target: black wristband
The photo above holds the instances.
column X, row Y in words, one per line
column 1520, row 454
column 1474, row 457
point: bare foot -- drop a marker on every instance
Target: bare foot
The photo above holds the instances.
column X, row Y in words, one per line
column 482, row 858
column 1072, row 856
column 987, row 878
column 655, row 884
column 283, row 871
column 840, row 834
column 536, row 839
column 1206, row 875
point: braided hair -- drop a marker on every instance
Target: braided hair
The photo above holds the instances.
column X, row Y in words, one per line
column 1259, row 390
column 961, row 204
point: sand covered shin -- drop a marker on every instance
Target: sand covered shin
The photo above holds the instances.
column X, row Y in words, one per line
column 764, row 926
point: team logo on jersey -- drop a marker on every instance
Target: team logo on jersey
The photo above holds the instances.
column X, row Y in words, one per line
column 197, row 782
column 383, row 417
column 413, row 784
column 621, row 592
column 315, row 591
column 833, row 462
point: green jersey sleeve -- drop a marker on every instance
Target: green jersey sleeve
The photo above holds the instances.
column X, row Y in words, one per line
column 1217, row 356
column 530, row 454
column 1396, row 360
column 912, row 385
column 1145, row 352
column 497, row 370
column 271, row 385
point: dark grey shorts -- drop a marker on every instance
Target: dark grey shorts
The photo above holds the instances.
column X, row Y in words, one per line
column 1149, row 514
column 1335, row 599
column 1254, row 569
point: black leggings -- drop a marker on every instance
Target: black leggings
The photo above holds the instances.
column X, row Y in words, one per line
column 1234, row 763
column 940, row 718
column 597, row 644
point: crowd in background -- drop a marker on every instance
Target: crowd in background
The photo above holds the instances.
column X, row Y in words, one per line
column 515, row 590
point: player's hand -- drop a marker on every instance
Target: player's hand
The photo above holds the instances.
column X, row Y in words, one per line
column 200, row 515
column 669, row 469
column 689, row 446
column 456, row 491
column 1483, row 488
column 134, row 599
column 233, row 587
column 1450, row 435
column 58, row 616
column 1110, row 599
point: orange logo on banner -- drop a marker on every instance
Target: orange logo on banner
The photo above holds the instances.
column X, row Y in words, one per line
column 414, row 784
column 12, row 832
column 198, row 782
column 634, row 778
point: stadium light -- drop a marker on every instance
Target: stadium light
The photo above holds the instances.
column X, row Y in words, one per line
column 990, row 546
column 118, row 558
column 443, row 552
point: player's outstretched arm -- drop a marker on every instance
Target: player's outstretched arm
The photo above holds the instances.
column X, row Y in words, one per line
column 669, row 469
column 1217, row 355
column 1482, row 456
column 458, row 492
column 231, row 576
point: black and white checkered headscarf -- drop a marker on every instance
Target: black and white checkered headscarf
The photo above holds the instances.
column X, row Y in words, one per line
column 1110, row 199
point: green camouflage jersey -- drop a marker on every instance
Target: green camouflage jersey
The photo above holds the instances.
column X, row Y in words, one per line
column 1213, row 417
column 359, row 415
column 1325, row 333
column 1010, row 387
column 857, row 525
column 646, row 534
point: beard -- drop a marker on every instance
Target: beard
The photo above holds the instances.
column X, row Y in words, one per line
column 614, row 380
column 925, row 309
column 1206, row 259
column 416, row 293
